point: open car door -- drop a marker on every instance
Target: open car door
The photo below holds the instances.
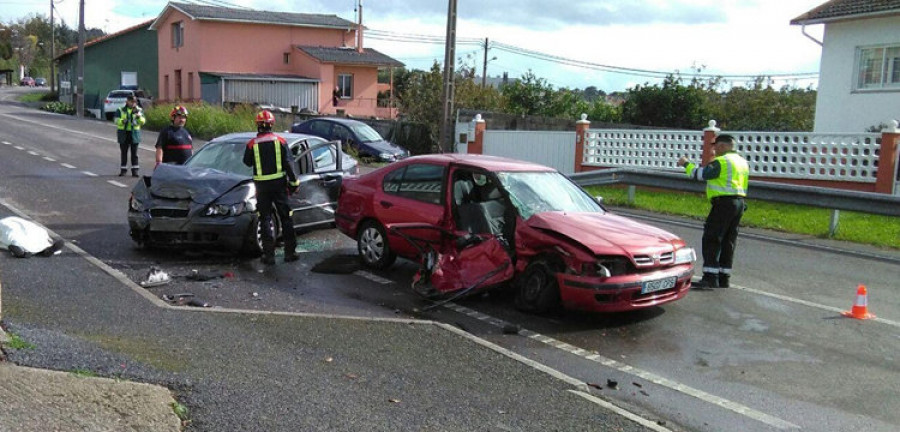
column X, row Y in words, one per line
column 320, row 172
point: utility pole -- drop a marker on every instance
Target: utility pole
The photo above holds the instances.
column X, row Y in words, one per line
column 483, row 65
column 52, row 51
column 445, row 140
column 79, row 89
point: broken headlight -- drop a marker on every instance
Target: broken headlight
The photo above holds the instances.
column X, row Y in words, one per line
column 685, row 255
column 224, row 209
column 135, row 205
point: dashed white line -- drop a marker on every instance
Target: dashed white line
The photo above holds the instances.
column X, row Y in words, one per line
column 68, row 166
column 7, row 143
column 89, row 174
column 372, row 277
column 622, row 367
column 33, row 153
column 624, row 413
column 49, row 159
column 115, row 183
column 19, row 147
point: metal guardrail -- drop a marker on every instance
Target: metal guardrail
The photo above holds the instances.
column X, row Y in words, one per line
column 835, row 199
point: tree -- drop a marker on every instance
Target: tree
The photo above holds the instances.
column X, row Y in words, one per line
column 671, row 105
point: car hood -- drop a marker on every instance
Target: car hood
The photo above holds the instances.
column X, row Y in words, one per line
column 201, row 185
column 384, row 147
column 605, row 233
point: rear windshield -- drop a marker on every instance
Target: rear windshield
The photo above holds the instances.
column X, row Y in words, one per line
column 119, row 94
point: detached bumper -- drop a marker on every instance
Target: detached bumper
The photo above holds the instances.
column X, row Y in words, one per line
column 200, row 233
column 622, row 293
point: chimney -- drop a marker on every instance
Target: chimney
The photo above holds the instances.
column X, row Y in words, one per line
column 359, row 30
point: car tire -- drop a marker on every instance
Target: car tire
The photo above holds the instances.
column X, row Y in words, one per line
column 253, row 240
column 536, row 289
column 372, row 245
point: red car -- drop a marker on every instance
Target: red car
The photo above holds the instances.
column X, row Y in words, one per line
column 479, row 222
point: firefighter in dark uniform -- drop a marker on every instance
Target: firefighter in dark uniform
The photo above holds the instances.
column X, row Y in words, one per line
column 174, row 144
column 727, row 177
column 274, row 178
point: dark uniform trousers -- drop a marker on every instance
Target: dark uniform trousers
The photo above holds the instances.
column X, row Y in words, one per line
column 721, row 230
column 125, row 145
column 269, row 194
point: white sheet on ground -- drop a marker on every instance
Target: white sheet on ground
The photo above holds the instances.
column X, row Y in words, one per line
column 23, row 233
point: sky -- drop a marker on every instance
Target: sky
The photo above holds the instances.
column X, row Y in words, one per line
column 739, row 38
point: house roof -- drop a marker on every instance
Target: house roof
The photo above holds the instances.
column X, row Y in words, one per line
column 369, row 56
column 216, row 13
column 836, row 10
column 140, row 26
column 261, row 77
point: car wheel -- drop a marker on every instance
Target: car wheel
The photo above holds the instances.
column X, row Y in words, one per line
column 537, row 290
column 373, row 247
column 253, row 246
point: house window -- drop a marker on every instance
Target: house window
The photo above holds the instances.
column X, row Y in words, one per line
column 878, row 67
column 177, row 34
column 287, row 58
column 345, row 86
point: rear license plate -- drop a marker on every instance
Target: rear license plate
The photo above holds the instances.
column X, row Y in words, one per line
column 658, row 285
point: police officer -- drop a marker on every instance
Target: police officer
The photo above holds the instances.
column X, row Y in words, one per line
column 129, row 121
column 272, row 173
column 727, row 177
column 174, row 144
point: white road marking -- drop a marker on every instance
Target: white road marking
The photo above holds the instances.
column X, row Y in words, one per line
column 115, row 183
column 33, row 153
column 622, row 367
column 19, row 147
column 49, row 159
column 89, row 174
column 815, row 305
column 372, row 277
column 46, row 126
column 68, row 166
column 7, row 143
column 627, row 414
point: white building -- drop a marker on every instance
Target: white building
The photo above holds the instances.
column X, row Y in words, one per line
column 859, row 74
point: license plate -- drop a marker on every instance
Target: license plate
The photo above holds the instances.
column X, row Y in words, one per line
column 658, row 285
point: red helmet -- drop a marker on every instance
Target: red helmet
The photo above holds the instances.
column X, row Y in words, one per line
column 178, row 111
column 265, row 118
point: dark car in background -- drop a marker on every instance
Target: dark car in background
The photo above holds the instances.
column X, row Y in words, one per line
column 355, row 135
column 40, row 82
column 210, row 201
column 479, row 222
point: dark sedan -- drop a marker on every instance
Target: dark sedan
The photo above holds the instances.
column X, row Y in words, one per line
column 210, row 201
column 354, row 135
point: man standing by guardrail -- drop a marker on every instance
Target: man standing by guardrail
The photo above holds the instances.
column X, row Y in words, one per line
column 727, row 177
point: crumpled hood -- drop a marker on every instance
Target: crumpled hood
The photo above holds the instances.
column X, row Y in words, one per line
column 605, row 233
column 201, row 185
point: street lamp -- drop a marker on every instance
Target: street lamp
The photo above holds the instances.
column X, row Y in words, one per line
column 484, row 70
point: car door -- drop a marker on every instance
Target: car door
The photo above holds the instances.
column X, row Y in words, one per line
column 412, row 194
column 318, row 165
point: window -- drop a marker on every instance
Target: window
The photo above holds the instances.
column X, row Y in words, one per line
column 323, row 158
column 345, row 86
column 177, row 34
column 320, row 128
column 420, row 182
column 878, row 67
column 287, row 58
column 190, row 93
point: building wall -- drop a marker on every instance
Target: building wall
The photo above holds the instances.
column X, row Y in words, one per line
column 838, row 107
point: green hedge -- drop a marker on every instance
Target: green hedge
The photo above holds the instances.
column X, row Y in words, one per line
column 205, row 121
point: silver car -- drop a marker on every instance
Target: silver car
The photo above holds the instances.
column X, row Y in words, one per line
column 210, row 201
column 116, row 99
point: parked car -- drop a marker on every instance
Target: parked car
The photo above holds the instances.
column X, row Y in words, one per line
column 481, row 222
column 27, row 81
column 210, row 201
column 40, row 82
column 353, row 134
column 116, row 99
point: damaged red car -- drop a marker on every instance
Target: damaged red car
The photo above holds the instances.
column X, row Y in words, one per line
column 477, row 222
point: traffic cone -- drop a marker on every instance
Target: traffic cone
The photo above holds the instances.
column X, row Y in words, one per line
column 860, row 309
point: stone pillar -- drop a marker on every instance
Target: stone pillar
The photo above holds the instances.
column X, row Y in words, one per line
column 477, row 145
column 709, row 138
column 581, row 136
column 887, row 159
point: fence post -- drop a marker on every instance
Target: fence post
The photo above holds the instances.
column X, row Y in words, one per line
column 581, row 131
column 477, row 145
column 887, row 159
column 709, row 138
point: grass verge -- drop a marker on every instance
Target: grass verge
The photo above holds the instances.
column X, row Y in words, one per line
column 16, row 342
column 876, row 230
column 34, row 97
column 84, row 373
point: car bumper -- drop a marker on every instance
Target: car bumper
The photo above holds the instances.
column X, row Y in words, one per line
column 201, row 233
column 622, row 293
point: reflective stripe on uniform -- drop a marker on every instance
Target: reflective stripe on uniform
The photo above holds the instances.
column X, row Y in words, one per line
column 731, row 187
column 258, row 161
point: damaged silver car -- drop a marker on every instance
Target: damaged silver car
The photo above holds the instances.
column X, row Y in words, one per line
column 210, row 201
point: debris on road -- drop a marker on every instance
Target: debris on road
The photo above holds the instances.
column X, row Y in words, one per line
column 511, row 329
column 613, row 384
column 24, row 238
column 155, row 277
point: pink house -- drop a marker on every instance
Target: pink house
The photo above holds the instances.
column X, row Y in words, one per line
column 305, row 61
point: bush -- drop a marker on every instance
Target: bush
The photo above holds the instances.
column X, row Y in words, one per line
column 59, row 107
column 205, row 121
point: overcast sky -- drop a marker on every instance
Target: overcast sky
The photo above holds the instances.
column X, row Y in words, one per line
column 725, row 37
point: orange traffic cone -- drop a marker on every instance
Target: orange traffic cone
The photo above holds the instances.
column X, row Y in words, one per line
column 860, row 309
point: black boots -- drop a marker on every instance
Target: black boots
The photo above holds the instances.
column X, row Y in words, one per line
column 122, row 172
column 710, row 280
column 134, row 172
column 724, row 280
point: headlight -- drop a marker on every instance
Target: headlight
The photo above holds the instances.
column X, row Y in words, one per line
column 135, row 205
column 224, row 209
column 685, row 255
column 387, row 156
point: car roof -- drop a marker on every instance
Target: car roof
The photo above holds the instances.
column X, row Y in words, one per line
column 290, row 136
column 341, row 120
column 489, row 163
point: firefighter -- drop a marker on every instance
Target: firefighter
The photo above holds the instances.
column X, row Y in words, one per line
column 275, row 179
column 129, row 121
column 174, row 144
column 727, row 177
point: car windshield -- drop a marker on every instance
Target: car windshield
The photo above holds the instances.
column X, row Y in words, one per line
column 537, row 192
column 225, row 156
column 119, row 94
column 366, row 133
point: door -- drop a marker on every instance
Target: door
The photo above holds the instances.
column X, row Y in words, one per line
column 319, row 169
column 412, row 194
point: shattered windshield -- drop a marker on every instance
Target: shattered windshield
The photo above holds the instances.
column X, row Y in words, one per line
column 225, row 156
column 366, row 133
column 537, row 192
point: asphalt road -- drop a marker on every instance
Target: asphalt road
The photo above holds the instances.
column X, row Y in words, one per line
column 772, row 353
